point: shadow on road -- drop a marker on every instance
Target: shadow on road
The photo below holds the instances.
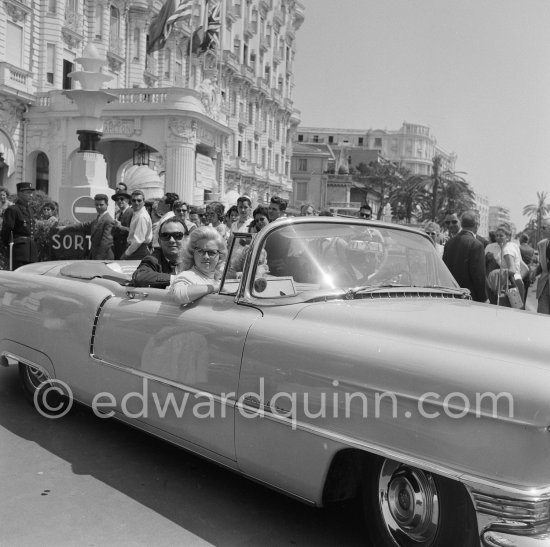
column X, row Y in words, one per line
column 213, row 503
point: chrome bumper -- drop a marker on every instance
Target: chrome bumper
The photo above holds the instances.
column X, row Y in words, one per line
column 500, row 539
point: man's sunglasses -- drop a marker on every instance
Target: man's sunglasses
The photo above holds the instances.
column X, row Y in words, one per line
column 451, row 222
column 165, row 236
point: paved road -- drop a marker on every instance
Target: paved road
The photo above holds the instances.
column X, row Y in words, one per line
column 87, row 481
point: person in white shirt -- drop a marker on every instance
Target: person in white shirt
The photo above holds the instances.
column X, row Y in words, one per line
column 244, row 205
column 141, row 229
column 277, row 208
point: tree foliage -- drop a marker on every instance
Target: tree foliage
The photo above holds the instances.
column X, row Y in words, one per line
column 537, row 213
column 420, row 197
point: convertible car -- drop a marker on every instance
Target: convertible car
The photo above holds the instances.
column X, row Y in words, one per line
column 339, row 359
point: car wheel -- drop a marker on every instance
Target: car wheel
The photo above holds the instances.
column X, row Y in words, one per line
column 405, row 507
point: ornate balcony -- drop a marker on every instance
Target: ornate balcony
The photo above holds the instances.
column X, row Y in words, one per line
column 249, row 74
column 265, row 42
column 231, row 61
column 263, row 85
column 15, row 79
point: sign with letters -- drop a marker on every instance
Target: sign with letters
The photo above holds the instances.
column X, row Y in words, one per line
column 205, row 172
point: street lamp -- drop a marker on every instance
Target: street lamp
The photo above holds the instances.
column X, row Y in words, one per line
column 141, row 154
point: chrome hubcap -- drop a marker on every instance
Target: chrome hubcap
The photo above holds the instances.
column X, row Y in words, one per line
column 409, row 503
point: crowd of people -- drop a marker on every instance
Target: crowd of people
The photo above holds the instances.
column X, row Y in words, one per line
column 182, row 247
column 499, row 270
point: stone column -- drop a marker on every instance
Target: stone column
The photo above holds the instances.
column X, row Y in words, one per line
column 180, row 158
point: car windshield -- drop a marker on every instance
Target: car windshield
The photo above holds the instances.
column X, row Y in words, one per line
column 339, row 256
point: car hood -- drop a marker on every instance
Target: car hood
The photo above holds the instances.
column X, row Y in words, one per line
column 416, row 345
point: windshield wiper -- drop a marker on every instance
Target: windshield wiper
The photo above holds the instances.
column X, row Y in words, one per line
column 447, row 290
column 352, row 292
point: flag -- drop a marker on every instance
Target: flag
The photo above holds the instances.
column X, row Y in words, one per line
column 163, row 23
column 212, row 33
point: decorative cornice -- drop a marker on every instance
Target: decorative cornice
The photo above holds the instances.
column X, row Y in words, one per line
column 186, row 130
column 71, row 38
column 16, row 10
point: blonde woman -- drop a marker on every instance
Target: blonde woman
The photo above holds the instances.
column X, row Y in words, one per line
column 203, row 262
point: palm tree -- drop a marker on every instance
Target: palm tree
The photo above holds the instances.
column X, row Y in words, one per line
column 449, row 190
column 539, row 211
column 382, row 180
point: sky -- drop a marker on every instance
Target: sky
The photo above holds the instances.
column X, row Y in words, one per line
column 477, row 72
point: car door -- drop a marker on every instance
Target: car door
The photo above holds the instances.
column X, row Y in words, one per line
column 174, row 368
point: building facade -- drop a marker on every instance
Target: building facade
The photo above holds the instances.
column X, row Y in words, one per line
column 499, row 215
column 412, row 146
column 482, row 207
column 216, row 124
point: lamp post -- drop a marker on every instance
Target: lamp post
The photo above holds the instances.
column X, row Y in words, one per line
column 88, row 166
column 141, row 154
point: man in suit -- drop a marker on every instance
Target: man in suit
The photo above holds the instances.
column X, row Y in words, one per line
column 158, row 268
column 123, row 217
column 464, row 255
column 99, row 230
column 19, row 227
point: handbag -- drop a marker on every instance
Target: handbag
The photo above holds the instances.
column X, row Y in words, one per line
column 523, row 270
column 514, row 297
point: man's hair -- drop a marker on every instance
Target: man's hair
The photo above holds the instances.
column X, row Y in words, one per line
column 167, row 221
column 524, row 238
column 366, row 206
column 217, row 207
column 244, row 198
column 138, row 193
column 170, row 198
column 261, row 210
column 179, row 203
column 449, row 212
column 468, row 219
column 281, row 202
column 2, row 189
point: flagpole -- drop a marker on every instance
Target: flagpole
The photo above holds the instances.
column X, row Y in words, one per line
column 223, row 13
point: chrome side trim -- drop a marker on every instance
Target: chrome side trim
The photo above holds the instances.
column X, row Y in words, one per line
column 228, row 401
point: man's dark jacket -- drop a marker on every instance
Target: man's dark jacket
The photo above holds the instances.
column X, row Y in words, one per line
column 153, row 271
column 19, row 223
column 464, row 255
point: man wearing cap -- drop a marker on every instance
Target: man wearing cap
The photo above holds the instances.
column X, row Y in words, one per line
column 19, row 227
column 123, row 217
column 99, row 230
